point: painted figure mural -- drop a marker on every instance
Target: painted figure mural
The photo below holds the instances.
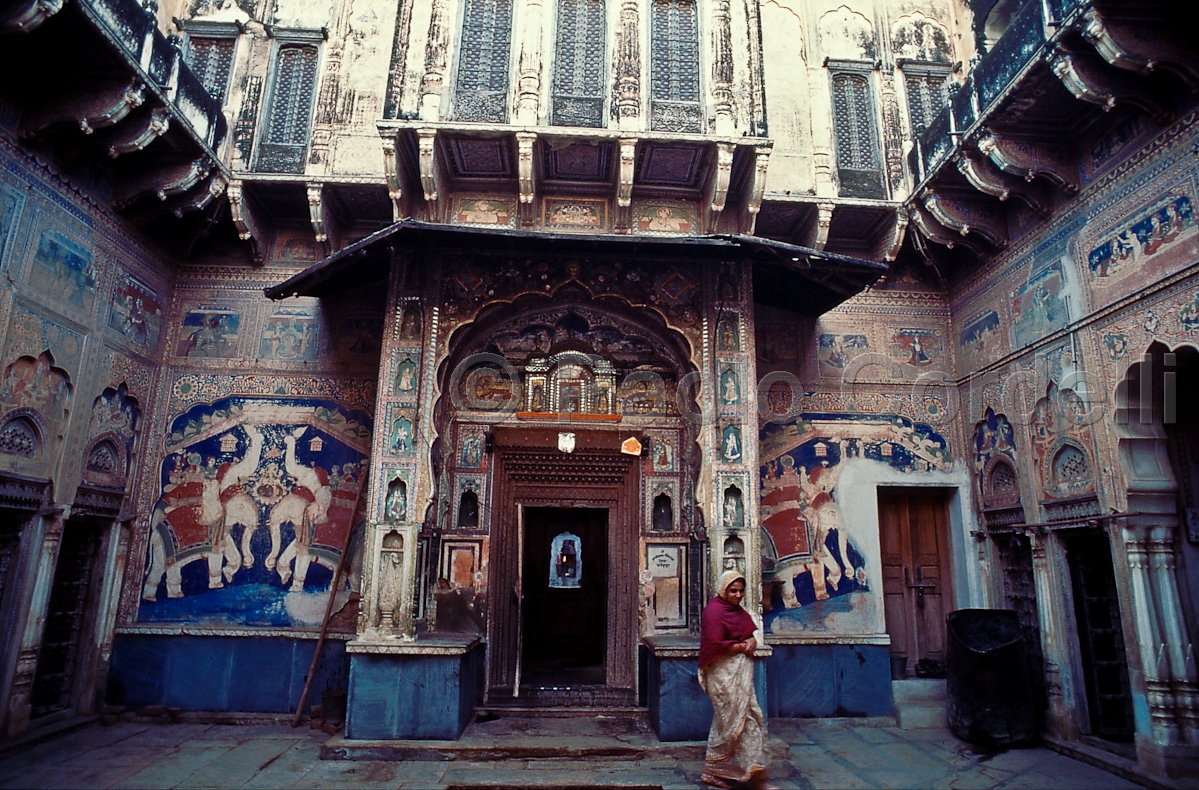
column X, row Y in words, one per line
column 255, row 500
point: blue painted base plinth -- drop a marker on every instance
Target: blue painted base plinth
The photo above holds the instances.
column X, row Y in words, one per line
column 679, row 709
column 422, row 690
column 243, row 674
column 829, row 680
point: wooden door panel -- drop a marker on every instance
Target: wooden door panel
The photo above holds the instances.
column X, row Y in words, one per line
column 913, row 536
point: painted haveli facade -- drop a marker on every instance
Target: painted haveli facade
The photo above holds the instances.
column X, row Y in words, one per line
column 542, row 313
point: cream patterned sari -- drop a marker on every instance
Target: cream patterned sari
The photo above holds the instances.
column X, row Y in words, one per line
column 737, row 740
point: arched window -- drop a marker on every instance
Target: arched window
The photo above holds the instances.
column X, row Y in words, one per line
column 104, row 458
column 285, row 142
column 1070, row 465
column 674, row 67
column 482, row 89
column 19, row 437
column 579, row 64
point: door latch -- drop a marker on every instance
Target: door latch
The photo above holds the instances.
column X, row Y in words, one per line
column 919, row 586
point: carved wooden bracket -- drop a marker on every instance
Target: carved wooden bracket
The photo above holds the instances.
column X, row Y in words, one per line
column 392, row 175
column 990, row 180
column 162, row 182
column 757, row 188
column 525, row 142
column 244, row 220
column 624, row 185
column 430, row 171
column 818, row 234
column 892, row 240
column 136, row 134
column 718, row 184
column 1092, row 80
column 92, row 108
column 324, row 222
column 968, row 215
column 1139, row 47
column 934, row 231
column 28, row 15
column 1029, row 158
column 197, row 198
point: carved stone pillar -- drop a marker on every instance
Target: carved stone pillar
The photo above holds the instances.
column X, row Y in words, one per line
column 529, row 86
column 1050, row 575
column 628, row 67
column 389, row 583
column 49, row 539
column 1178, row 649
column 436, row 51
column 1154, row 664
column 822, row 132
column 722, row 67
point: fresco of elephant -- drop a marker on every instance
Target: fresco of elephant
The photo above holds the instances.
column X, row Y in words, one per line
column 306, row 506
column 195, row 517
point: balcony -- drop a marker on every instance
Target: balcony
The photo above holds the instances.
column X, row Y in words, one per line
column 107, row 98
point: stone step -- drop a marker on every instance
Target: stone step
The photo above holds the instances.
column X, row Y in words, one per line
column 918, row 691
column 920, row 704
column 537, row 740
column 491, row 712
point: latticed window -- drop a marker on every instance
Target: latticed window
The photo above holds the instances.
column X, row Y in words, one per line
column 18, row 437
column 674, row 67
column 1003, row 480
column 579, row 63
column 857, row 143
column 1070, row 465
column 927, row 94
column 290, row 111
column 210, row 60
column 482, row 90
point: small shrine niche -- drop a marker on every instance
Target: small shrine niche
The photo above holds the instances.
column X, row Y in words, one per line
column 566, row 564
column 396, row 508
column 570, row 381
column 468, row 510
column 663, row 513
column 734, row 554
column 391, row 570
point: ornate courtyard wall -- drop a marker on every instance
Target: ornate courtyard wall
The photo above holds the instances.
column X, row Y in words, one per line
column 1043, row 338
column 260, row 450
column 83, row 312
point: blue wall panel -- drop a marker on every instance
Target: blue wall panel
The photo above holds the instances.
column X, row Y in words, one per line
column 829, row 680
column 217, row 673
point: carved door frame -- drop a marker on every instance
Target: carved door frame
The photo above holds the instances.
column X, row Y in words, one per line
column 531, row 472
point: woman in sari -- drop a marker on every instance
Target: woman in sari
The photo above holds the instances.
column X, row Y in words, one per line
column 737, row 741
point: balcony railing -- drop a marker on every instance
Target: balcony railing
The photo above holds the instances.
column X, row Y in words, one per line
column 133, row 29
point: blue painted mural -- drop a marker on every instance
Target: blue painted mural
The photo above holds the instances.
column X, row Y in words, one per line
column 256, row 496
column 816, row 571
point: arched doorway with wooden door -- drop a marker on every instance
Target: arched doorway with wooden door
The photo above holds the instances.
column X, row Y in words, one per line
column 564, row 460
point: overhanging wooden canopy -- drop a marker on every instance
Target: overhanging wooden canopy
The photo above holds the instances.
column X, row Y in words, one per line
column 787, row 276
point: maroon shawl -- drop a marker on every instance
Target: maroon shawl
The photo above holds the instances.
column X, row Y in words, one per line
column 722, row 626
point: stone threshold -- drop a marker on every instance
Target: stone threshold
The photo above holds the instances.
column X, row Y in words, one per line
column 1113, row 763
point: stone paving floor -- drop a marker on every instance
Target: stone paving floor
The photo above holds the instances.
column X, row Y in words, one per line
column 805, row 754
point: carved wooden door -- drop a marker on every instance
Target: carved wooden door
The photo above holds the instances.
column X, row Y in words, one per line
column 913, row 532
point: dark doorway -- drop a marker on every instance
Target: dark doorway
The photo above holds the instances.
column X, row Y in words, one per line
column 1100, row 635
column 1020, row 595
column 565, row 581
column 68, row 619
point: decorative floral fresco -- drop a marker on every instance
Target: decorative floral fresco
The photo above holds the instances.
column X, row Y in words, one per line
column 255, row 498
column 814, row 566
